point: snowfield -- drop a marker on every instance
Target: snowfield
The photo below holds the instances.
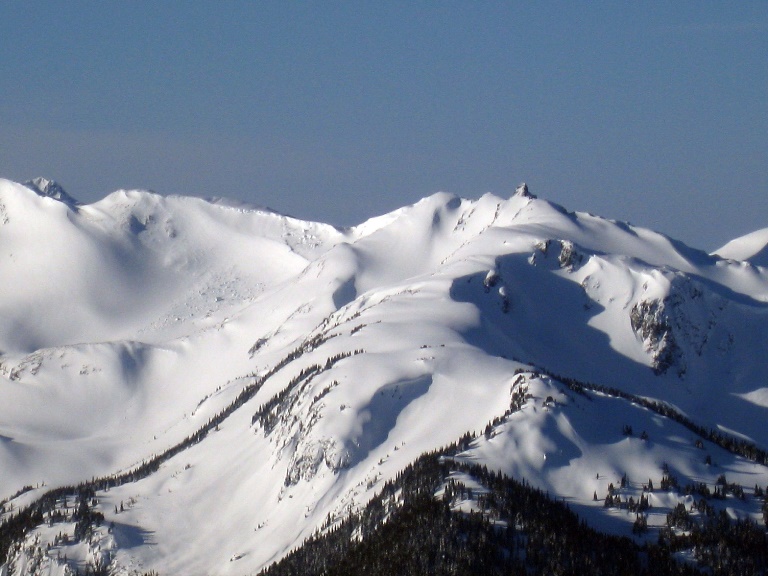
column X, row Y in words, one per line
column 322, row 361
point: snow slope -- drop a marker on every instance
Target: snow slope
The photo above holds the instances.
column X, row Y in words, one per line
column 130, row 323
column 752, row 248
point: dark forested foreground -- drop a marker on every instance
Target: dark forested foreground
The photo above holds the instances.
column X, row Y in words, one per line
column 413, row 527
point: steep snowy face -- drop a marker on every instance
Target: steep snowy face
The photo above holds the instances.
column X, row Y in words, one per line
column 266, row 376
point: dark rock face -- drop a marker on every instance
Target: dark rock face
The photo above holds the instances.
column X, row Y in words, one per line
column 50, row 189
column 650, row 321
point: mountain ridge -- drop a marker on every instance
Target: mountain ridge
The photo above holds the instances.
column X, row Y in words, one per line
column 338, row 357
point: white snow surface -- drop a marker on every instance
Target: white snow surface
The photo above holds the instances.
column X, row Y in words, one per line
column 752, row 248
column 125, row 325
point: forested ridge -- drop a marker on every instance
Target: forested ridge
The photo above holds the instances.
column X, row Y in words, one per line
column 415, row 525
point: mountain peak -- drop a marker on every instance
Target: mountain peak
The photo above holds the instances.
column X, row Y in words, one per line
column 50, row 189
column 522, row 190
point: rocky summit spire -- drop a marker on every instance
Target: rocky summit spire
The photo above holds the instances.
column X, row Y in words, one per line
column 522, row 190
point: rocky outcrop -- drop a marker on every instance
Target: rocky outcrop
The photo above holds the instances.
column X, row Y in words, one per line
column 650, row 321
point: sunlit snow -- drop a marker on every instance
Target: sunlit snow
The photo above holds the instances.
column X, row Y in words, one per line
column 129, row 323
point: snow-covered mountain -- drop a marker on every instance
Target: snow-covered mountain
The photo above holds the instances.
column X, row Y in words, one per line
column 229, row 381
column 752, row 248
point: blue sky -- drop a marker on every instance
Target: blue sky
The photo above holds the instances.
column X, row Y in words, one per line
column 651, row 112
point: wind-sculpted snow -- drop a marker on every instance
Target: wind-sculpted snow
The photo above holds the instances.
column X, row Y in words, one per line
column 228, row 381
column 752, row 248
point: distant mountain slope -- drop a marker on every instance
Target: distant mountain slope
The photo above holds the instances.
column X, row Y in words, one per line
column 752, row 248
column 223, row 382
